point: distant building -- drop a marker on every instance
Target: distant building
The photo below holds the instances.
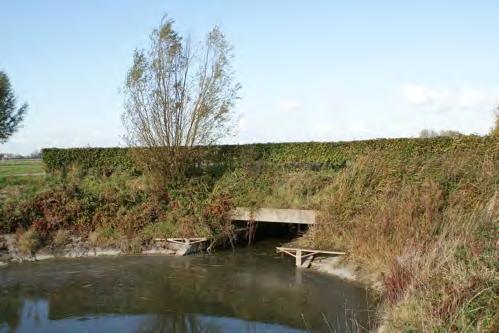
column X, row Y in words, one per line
column 8, row 156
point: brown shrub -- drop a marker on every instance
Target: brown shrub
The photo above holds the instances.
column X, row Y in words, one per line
column 28, row 242
column 61, row 238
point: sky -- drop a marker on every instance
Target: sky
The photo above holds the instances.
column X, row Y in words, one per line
column 309, row 70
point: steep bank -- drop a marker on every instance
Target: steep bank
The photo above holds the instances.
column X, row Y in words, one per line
column 418, row 216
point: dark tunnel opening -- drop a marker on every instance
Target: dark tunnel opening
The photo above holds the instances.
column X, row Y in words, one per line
column 284, row 232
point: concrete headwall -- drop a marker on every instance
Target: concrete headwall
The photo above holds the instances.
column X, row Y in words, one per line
column 298, row 216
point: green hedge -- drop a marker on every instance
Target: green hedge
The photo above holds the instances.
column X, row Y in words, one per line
column 321, row 154
column 105, row 160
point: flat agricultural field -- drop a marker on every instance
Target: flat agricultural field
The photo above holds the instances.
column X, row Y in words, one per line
column 21, row 168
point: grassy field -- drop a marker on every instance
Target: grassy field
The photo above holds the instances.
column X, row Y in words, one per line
column 21, row 168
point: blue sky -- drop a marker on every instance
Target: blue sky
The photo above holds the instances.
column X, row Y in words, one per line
column 310, row 70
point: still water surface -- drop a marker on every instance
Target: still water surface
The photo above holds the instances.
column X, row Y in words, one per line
column 249, row 290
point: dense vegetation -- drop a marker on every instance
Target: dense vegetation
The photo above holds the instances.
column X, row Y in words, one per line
column 319, row 154
column 105, row 160
column 419, row 214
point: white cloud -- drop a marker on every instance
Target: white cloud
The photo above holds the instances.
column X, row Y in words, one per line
column 416, row 94
column 289, row 104
column 241, row 124
column 443, row 99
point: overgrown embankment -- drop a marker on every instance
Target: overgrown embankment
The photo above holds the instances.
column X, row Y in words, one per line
column 427, row 223
column 422, row 214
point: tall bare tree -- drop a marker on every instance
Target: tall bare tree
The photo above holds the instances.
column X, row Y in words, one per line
column 179, row 95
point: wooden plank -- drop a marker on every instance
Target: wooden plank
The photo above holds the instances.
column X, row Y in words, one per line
column 187, row 241
column 308, row 255
column 309, row 250
column 197, row 242
column 177, row 242
column 287, row 252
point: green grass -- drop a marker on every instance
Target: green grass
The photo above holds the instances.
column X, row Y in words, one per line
column 21, row 168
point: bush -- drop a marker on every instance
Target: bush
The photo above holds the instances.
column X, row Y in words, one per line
column 216, row 159
column 103, row 160
column 61, row 238
column 28, row 242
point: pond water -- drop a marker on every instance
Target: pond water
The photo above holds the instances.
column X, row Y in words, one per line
column 248, row 290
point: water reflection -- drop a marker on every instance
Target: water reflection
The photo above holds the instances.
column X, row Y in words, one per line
column 249, row 291
column 34, row 317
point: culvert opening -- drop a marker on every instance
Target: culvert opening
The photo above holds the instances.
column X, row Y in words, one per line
column 258, row 231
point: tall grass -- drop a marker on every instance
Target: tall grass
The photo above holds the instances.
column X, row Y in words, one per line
column 428, row 226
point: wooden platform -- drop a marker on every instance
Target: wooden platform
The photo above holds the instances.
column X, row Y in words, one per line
column 308, row 254
column 185, row 241
column 182, row 241
column 183, row 246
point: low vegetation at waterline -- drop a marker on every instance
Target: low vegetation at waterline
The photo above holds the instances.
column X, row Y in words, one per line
column 113, row 211
column 420, row 214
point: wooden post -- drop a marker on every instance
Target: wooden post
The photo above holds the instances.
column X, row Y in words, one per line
column 298, row 278
column 298, row 258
